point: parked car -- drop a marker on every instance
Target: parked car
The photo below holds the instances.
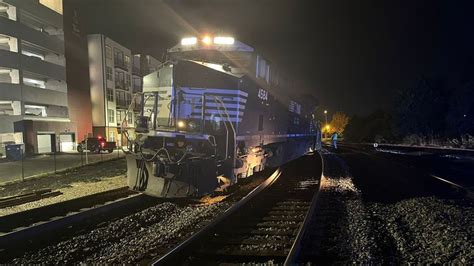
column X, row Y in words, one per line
column 96, row 144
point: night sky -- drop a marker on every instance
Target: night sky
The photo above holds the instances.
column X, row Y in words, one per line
column 352, row 55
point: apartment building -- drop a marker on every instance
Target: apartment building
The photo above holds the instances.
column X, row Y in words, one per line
column 33, row 89
column 115, row 75
column 142, row 66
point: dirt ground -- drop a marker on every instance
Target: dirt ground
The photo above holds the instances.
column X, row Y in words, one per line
column 86, row 174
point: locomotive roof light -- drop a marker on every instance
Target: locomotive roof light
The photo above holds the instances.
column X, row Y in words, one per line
column 189, row 41
column 206, row 40
column 224, row 40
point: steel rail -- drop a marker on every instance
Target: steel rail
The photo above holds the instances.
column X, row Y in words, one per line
column 172, row 255
column 58, row 216
column 296, row 248
column 186, row 247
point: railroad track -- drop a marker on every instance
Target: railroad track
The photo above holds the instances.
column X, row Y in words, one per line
column 35, row 228
column 451, row 179
column 267, row 225
column 27, row 197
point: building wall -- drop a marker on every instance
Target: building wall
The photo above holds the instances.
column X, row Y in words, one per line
column 32, row 66
column 77, row 70
column 110, row 71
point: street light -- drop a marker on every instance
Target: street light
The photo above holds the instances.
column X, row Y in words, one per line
column 326, row 115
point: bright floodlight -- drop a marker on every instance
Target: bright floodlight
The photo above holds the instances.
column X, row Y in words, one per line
column 206, row 40
column 223, row 40
column 189, row 41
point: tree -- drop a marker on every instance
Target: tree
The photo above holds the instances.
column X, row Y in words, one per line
column 375, row 127
column 421, row 109
column 339, row 122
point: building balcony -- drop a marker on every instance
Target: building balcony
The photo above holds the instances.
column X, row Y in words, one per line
column 120, row 64
column 122, row 104
column 136, row 71
column 23, row 32
column 136, row 88
column 32, row 64
column 121, row 85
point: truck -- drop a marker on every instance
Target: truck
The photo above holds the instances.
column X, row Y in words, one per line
column 96, row 144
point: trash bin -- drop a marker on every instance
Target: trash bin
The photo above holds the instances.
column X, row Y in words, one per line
column 13, row 152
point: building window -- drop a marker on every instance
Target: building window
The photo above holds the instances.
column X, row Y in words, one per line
column 110, row 95
column 120, row 98
column 34, row 82
column 127, row 61
column 33, row 54
column 129, row 81
column 130, row 118
column 111, row 135
column 35, row 110
column 119, row 80
column 129, row 99
column 108, row 52
column 118, row 57
column 260, row 122
column 119, row 117
column 109, row 73
column 111, row 115
column 137, row 84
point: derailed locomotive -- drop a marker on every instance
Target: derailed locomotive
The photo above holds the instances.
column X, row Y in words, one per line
column 212, row 114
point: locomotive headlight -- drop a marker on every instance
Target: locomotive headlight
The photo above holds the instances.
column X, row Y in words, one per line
column 181, row 124
column 224, row 40
column 189, row 41
column 206, row 40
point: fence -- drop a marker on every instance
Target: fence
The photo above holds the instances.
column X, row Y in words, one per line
column 16, row 166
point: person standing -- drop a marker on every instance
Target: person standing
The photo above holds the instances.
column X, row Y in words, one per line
column 334, row 140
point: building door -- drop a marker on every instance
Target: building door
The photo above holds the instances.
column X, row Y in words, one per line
column 66, row 142
column 44, row 143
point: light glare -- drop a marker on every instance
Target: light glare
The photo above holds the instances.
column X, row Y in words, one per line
column 224, row 40
column 188, row 41
column 206, row 40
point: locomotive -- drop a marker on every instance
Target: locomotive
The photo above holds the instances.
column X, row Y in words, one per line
column 215, row 112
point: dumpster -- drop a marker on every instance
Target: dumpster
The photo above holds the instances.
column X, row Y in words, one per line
column 14, row 151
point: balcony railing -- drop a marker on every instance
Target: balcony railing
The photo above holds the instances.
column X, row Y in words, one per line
column 121, row 85
column 120, row 63
column 137, row 88
column 136, row 70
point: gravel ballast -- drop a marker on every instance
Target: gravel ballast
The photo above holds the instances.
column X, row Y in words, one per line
column 72, row 184
column 88, row 173
column 72, row 191
column 347, row 229
column 128, row 240
column 140, row 237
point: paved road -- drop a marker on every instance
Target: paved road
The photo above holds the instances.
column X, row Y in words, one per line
column 12, row 170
